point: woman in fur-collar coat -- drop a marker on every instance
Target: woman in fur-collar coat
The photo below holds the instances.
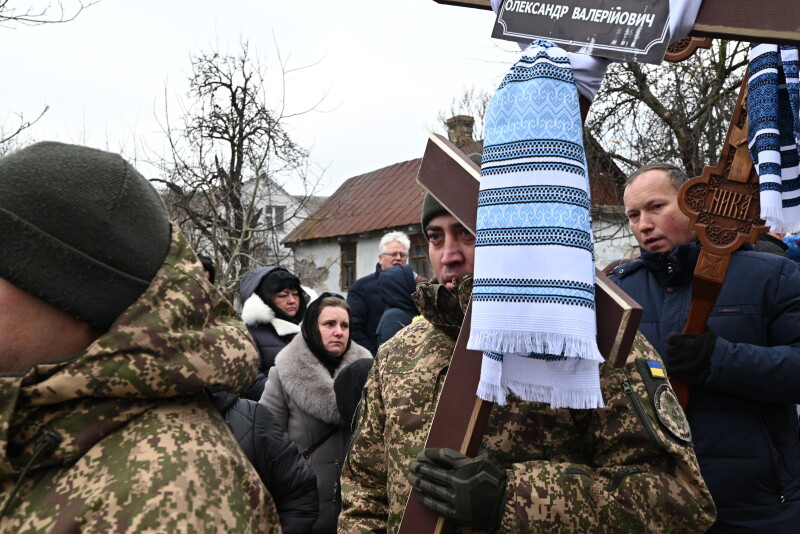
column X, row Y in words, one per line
column 299, row 392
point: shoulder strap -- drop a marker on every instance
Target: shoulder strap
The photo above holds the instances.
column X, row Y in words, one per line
column 319, row 442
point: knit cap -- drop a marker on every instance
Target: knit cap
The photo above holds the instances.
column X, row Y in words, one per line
column 80, row 228
column 431, row 207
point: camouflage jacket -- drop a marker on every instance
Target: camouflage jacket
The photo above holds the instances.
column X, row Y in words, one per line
column 121, row 437
column 628, row 467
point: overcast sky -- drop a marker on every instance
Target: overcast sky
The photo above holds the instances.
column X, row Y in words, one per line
column 387, row 68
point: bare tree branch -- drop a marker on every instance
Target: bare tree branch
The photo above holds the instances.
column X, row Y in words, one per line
column 230, row 155
column 6, row 136
column 43, row 13
column 675, row 112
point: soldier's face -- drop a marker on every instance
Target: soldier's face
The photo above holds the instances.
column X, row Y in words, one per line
column 651, row 204
column 451, row 248
column 33, row 331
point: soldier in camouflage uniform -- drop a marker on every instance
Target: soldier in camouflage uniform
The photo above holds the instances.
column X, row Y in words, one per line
column 109, row 334
column 628, row 467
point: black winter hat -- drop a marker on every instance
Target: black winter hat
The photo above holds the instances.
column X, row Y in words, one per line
column 80, row 228
column 430, row 209
column 276, row 281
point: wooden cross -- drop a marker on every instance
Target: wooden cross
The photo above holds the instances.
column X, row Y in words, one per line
column 774, row 21
column 723, row 208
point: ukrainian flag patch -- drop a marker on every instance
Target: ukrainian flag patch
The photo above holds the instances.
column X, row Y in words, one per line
column 656, row 369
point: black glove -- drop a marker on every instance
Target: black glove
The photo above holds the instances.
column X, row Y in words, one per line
column 458, row 488
column 689, row 356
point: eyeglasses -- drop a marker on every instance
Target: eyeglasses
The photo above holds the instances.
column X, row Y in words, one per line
column 401, row 255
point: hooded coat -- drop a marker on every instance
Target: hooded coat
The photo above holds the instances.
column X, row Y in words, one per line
column 395, row 286
column 269, row 332
column 299, row 392
column 121, row 436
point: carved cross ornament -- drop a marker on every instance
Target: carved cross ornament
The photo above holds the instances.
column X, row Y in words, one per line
column 722, row 204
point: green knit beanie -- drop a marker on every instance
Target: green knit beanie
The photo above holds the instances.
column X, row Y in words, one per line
column 80, row 229
column 431, row 207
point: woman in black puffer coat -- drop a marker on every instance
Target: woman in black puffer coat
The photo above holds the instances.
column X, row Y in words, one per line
column 273, row 305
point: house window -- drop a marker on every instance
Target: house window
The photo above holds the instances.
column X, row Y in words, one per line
column 418, row 257
column 348, row 263
column 273, row 216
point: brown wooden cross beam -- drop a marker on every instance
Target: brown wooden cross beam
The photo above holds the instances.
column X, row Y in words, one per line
column 723, row 207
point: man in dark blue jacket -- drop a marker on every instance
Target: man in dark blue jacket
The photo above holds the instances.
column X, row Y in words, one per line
column 366, row 304
column 743, row 372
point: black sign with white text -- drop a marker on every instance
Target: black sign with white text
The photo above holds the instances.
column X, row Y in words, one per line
column 627, row 30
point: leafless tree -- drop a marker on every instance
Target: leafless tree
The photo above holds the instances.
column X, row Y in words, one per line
column 675, row 112
column 33, row 13
column 230, row 157
column 472, row 102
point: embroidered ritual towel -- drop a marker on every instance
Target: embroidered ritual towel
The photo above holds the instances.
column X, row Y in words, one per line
column 533, row 292
column 773, row 110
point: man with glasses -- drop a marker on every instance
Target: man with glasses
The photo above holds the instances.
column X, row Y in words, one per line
column 364, row 298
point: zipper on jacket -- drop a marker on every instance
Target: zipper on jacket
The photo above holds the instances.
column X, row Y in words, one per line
column 627, row 471
column 640, row 413
column 576, row 471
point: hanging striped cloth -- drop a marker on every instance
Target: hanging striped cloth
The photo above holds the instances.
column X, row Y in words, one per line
column 773, row 110
column 533, row 295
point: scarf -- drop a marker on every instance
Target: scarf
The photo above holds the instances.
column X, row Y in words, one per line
column 773, row 111
column 311, row 334
column 533, row 295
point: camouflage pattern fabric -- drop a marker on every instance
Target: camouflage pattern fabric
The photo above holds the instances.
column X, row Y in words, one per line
column 616, row 469
column 121, row 437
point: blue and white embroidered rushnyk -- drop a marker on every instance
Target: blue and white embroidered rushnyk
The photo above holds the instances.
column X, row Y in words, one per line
column 533, row 311
column 773, row 110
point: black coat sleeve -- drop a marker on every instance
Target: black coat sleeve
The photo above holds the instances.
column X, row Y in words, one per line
column 291, row 481
column 283, row 470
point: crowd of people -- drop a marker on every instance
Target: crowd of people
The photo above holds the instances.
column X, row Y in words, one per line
column 137, row 398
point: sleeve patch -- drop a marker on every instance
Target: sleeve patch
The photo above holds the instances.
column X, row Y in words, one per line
column 670, row 413
column 656, row 369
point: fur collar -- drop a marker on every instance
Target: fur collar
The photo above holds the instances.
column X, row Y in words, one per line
column 307, row 382
column 255, row 311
